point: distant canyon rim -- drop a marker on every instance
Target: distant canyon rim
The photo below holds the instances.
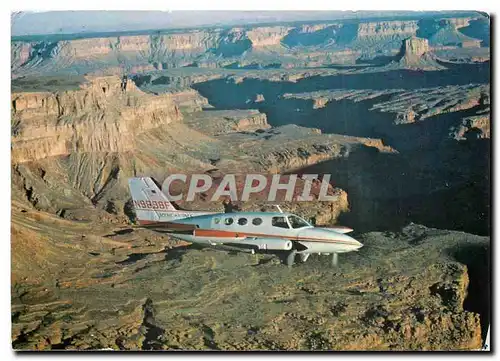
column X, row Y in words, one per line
column 396, row 109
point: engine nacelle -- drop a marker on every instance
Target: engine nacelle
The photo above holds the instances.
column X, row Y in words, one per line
column 275, row 244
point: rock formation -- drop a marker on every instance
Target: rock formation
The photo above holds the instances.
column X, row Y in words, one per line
column 214, row 48
column 267, row 36
column 104, row 116
column 477, row 126
column 109, row 130
column 414, row 54
column 405, row 137
column 388, row 28
column 158, row 292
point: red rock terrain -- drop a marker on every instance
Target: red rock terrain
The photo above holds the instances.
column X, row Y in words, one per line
column 396, row 110
column 282, row 46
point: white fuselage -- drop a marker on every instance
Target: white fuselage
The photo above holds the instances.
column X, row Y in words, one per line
column 264, row 230
column 256, row 230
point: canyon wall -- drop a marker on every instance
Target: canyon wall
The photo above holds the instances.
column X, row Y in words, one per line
column 103, row 116
column 267, row 36
column 207, row 47
column 388, row 28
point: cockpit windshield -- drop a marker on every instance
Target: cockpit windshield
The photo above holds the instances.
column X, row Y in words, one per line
column 297, row 222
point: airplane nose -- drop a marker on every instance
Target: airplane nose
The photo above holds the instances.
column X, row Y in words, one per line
column 356, row 243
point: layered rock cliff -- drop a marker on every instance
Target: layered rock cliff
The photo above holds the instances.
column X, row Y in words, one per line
column 414, row 54
column 417, row 289
column 388, row 28
column 105, row 115
column 212, row 47
column 230, row 121
column 267, row 36
column 401, row 145
column 73, row 151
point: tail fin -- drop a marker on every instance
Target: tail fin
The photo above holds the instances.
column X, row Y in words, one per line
column 150, row 203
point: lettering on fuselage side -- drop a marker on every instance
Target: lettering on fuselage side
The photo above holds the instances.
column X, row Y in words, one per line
column 175, row 214
column 180, row 215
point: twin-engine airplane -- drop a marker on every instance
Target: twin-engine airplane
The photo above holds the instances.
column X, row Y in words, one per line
column 254, row 231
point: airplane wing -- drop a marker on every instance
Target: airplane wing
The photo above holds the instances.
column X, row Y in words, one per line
column 168, row 227
column 339, row 229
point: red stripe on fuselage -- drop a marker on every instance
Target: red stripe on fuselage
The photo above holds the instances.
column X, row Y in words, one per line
column 171, row 211
column 143, row 223
column 232, row 234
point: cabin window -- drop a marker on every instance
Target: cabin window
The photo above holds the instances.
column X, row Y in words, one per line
column 280, row 222
column 216, row 220
column 242, row 221
column 257, row 221
column 297, row 222
column 228, row 221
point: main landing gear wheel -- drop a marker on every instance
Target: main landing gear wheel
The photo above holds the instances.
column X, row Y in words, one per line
column 335, row 259
column 303, row 257
column 290, row 259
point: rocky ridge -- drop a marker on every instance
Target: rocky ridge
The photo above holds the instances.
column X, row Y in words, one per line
column 406, row 134
column 415, row 55
column 403, row 291
column 73, row 151
column 319, row 43
column 104, row 116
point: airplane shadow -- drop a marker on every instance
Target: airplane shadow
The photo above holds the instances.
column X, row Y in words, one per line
column 177, row 253
column 120, row 232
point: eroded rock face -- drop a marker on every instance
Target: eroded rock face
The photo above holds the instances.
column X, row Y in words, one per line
column 414, row 46
column 388, row 28
column 218, row 122
column 267, row 36
column 414, row 54
column 337, row 42
column 78, row 166
column 295, row 158
column 188, row 100
column 145, row 292
column 477, row 127
column 406, row 117
column 104, row 116
column 73, row 151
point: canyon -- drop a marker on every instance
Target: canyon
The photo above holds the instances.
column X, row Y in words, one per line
column 280, row 46
column 397, row 110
